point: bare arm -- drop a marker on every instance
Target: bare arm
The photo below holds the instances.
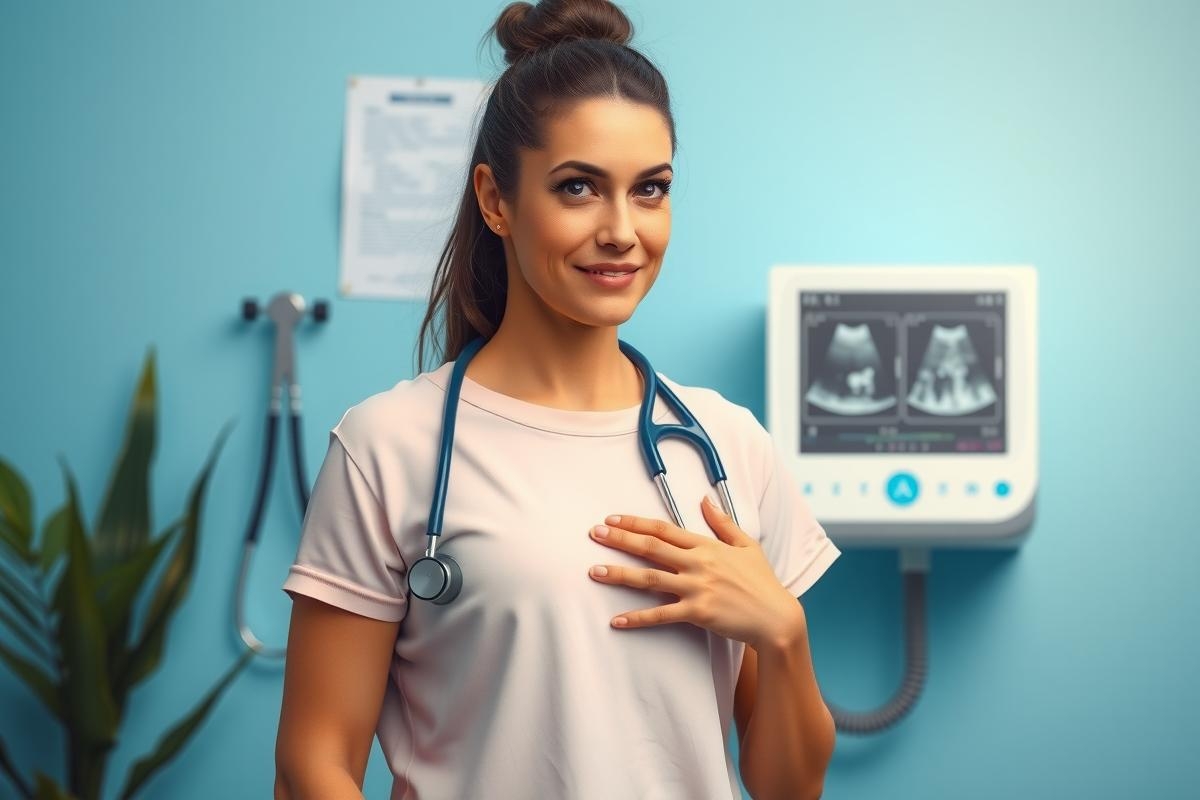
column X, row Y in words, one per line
column 786, row 732
column 333, row 686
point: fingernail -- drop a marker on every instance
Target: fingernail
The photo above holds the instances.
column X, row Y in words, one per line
column 600, row 531
column 599, row 572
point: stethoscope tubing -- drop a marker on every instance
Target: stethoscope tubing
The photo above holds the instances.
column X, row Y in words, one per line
column 254, row 526
column 651, row 433
column 284, row 310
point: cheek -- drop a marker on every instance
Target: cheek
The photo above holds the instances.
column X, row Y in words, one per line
column 656, row 233
column 565, row 235
column 553, row 235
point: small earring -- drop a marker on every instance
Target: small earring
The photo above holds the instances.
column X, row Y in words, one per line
column 497, row 227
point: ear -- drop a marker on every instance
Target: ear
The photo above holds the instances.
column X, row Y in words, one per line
column 491, row 205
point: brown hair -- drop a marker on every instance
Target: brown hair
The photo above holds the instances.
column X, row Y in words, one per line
column 559, row 52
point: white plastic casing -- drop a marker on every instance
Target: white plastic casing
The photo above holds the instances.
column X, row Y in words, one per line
column 962, row 499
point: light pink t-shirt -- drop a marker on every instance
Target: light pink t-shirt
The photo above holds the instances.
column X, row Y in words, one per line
column 521, row 688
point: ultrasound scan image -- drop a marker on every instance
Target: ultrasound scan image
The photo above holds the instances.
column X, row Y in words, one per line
column 850, row 378
column 951, row 380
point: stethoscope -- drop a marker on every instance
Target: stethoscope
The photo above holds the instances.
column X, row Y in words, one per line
column 285, row 310
column 437, row 577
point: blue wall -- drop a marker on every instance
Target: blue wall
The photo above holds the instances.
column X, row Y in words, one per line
column 162, row 160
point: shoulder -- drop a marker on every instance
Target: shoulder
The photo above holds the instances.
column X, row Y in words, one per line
column 390, row 416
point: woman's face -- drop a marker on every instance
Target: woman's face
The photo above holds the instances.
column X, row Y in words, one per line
column 595, row 195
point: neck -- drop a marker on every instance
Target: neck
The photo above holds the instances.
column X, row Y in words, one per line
column 564, row 365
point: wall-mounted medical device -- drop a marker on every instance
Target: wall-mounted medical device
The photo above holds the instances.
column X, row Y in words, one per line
column 905, row 398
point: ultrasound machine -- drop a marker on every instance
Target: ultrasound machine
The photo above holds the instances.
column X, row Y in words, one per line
column 904, row 399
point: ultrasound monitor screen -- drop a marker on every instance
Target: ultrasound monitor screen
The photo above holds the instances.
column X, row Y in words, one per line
column 902, row 372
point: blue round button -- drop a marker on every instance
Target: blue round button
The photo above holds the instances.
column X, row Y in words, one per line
column 1002, row 488
column 903, row 488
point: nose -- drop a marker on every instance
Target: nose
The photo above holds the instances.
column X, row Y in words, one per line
column 617, row 229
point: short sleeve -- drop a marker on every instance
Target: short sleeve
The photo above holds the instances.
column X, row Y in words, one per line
column 793, row 541
column 347, row 556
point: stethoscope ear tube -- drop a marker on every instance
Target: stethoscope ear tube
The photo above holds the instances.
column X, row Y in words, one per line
column 650, row 433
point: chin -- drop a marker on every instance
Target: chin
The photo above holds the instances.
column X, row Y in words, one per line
column 612, row 320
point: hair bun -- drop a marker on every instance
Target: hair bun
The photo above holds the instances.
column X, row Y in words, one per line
column 524, row 28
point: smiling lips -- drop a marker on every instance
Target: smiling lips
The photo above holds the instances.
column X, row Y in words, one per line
column 610, row 276
column 611, row 270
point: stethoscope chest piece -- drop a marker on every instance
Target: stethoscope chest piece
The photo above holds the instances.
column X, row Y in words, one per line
column 437, row 579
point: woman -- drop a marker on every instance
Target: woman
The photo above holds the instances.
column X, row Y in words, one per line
column 527, row 685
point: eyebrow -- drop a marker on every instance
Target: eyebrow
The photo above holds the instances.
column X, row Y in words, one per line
column 600, row 173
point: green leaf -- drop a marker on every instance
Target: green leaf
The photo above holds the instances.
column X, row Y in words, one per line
column 170, row 744
column 10, row 769
column 86, row 692
column 54, row 538
column 117, row 590
column 16, row 509
column 118, row 586
column 12, row 538
column 37, row 681
column 27, row 638
column 124, row 522
column 23, row 600
column 47, row 789
column 172, row 587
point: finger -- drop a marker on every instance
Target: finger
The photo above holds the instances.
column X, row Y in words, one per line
column 640, row 544
column 638, row 577
column 647, row 617
column 659, row 528
column 722, row 524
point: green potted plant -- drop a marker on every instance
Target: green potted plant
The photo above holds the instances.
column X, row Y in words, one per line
column 68, row 600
